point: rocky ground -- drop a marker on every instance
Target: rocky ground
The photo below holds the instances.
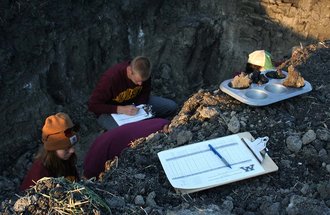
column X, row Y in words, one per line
column 299, row 143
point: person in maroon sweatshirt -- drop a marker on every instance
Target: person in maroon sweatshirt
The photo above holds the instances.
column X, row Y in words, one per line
column 56, row 158
column 113, row 142
column 123, row 86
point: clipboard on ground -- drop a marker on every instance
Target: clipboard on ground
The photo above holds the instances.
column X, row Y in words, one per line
column 122, row 119
column 196, row 167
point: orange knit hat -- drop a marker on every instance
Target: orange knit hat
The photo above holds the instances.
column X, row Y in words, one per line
column 53, row 132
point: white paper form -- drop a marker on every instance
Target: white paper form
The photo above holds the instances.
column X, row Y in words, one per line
column 195, row 166
column 122, row 119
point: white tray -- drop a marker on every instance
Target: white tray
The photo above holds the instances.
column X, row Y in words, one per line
column 265, row 94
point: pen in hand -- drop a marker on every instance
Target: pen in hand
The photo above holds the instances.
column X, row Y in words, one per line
column 130, row 110
column 218, row 154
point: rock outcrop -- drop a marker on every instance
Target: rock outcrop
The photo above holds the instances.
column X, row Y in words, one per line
column 52, row 53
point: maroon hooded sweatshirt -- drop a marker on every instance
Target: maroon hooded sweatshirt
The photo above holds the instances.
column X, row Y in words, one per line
column 38, row 171
column 115, row 88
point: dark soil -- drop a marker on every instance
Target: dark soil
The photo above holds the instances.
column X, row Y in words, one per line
column 299, row 143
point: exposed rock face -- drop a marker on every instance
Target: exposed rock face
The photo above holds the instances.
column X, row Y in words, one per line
column 136, row 182
column 53, row 53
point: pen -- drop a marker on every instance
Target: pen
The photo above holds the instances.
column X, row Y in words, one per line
column 136, row 106
column 218, row 154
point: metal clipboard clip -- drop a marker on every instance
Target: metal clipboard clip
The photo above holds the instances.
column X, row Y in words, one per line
column 148, row 109
column 258, row 147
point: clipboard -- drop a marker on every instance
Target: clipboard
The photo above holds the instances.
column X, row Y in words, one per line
column 194, row 167
column 122, row 119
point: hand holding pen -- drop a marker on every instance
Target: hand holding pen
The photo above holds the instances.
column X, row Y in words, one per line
column 130, row 110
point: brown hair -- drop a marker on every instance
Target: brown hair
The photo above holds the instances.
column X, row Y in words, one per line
column 56, row 166
column 142, row 66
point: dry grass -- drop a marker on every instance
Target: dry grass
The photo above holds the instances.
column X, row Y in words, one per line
column 76, row 198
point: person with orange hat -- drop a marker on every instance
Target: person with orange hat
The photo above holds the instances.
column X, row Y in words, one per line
column 56, row 158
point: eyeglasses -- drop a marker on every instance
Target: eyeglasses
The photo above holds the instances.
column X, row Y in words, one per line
column 68, row 132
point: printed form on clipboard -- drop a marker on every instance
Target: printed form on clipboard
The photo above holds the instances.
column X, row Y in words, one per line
column 196, row 167
column 122, row 119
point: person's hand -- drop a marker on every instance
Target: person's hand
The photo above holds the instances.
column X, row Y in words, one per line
column 128, row 110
